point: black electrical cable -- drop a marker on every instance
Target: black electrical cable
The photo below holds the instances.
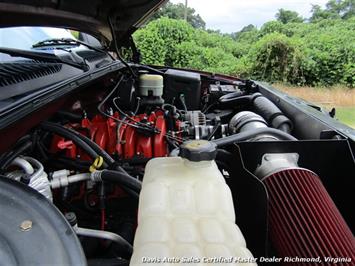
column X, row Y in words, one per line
column 122, row 121
column 137, row 124
column 138, row 105
column 171, row 143
column 182, row 100
column 116, row 48
column 243, row 136
column 99, row 107
column 149, row 68
column 125, row 115
column 205, row 110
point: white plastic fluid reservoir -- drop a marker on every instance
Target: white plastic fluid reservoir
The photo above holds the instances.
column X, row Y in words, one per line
column 186, row 213
column 151, row 85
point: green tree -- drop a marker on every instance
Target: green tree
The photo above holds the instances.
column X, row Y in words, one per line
column 271, row 27
column 249, row 28
column 317, row 53
column 318, row 14
column 177, row 11
column 158, row 40
column 275, row 57
column 287, row 16
column 334, row 9
column 348, row 9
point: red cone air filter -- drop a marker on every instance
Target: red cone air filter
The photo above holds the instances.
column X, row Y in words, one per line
column 304, row 221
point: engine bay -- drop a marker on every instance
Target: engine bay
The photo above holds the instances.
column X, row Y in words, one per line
column 89, row 158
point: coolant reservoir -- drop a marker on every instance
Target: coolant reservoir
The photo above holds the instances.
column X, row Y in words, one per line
column 186, row 212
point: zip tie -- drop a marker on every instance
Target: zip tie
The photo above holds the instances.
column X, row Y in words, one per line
column 98, row 162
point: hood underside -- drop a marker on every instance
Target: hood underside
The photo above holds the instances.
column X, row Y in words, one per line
column 85, row 16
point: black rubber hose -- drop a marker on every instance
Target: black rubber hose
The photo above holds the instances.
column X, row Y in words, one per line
column 85, row 143
column 271, row 113
column 263, row 106
column 243, row 136
column 69, row 116
column 64, row 132
column 22, row 140
column 19, row 142
column 238, row 97
column 15, row 153
column 123, row 179
column 70, row 163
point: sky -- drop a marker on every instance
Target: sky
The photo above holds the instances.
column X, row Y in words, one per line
column 232, row 15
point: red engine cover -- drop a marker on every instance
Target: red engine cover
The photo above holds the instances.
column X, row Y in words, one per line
column 126, row 142
column 304, row 221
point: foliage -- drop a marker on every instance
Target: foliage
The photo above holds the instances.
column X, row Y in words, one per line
column 147, row 40
column 287, row 16
column 249, row 28
column 158, row 41
column 177, row 11
column 334, row 9
column 321, row 52
column 276, row 57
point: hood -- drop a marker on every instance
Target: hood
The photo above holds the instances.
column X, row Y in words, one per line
column 86, row 16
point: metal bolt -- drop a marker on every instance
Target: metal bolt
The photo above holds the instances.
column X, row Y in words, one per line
column 26, row 225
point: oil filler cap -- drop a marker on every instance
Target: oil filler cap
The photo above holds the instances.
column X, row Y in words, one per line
column 198, row 150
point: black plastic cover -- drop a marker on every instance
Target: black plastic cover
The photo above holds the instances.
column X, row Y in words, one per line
column 33, row 231
column 179, row 82
column 198, row 150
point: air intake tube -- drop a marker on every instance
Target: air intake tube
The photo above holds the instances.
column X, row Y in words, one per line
column 303, row 220
column 272, row 114
column 246, row 126
column 261, row 105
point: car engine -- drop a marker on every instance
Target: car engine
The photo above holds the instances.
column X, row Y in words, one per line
column 174, row 166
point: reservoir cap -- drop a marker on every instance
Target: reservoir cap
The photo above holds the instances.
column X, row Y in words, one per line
column 198, row 150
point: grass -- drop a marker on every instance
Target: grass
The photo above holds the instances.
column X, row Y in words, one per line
column 342, row 98
column 346, row 115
